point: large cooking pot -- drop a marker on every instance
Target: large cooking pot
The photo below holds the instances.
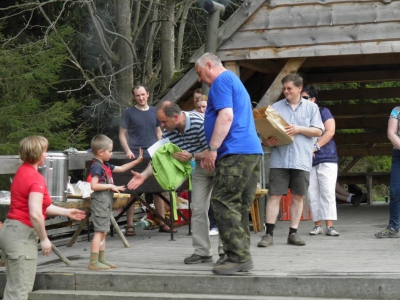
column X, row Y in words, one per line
column 55, row 171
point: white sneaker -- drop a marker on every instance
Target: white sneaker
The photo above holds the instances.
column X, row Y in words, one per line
column 214, row 231
column 331, row 231
column 317, row 230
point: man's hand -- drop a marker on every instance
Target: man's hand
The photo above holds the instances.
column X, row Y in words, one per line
column 130, row 155
column 208, row 161
column 182, row 156
column 270, row 142
column 136, row 181
column 292, row 130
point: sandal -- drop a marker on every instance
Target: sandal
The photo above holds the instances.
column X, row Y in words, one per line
column 162, row 229
column 130, row 232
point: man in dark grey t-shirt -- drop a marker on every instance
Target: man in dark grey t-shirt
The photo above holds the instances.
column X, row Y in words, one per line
column 140, row 128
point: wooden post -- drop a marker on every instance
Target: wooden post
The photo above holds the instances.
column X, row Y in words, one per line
column 78, row 231
column 275, row 90
column 369, row 189
column 118, row 231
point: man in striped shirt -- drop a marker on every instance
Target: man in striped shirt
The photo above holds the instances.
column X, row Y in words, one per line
column 186, row 130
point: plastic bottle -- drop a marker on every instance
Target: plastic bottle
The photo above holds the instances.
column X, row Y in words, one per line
column 141, row 224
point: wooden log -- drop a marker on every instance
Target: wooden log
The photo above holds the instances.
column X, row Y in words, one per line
column 362, row 150
column 361, row 109
column 359, row 94
column 362, row 122
column 60, row 255
column 367, row 138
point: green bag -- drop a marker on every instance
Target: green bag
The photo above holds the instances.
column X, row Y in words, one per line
column 169, row 172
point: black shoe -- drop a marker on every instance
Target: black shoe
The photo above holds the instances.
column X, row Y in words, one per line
column 356, row 200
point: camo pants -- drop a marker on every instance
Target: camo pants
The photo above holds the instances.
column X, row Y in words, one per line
column 233, row 193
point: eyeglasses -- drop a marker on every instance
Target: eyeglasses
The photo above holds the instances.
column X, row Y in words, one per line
column 306, row 97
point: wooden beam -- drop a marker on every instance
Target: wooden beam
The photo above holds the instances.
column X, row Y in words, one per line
column 361, row 138
column 338, row 49
column 233, row 67
column 245, row 74
column 362, row 122
column 359, row 94
column 314, row 14
column 262, row 66
column 361, row 109
column 350, row 165
column 312, row 36
column 275, row 89
column 352, row 60
column 182, row 86
column 360, row 150
column 362, row 76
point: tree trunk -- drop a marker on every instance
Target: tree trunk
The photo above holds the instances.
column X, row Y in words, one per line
column 167, row 41
column 181, row 33
column 125, row 76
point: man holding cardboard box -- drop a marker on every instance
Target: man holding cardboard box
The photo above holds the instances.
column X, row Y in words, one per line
column 291, row 163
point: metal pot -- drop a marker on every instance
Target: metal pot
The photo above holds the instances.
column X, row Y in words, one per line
column 55, row 171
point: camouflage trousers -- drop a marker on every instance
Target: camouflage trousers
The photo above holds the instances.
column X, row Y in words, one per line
column 233, row 193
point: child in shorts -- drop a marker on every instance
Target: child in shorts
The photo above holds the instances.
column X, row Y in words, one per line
column 102, row 184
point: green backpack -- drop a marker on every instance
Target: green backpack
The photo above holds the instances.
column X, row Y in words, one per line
column 169, row 172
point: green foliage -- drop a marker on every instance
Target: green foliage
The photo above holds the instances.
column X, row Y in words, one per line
column 30, row 105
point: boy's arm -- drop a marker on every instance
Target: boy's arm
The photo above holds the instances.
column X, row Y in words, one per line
column 96, row 186
column 130, row 165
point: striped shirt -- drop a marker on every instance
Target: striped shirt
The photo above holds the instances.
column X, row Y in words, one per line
column 193, row 139
column 297, row 155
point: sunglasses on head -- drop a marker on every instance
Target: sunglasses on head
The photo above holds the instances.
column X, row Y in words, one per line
column 306, row 97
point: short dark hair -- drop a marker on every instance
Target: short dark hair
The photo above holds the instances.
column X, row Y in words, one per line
column 138, row 87
column 295, row 78
column 311, row 91
column 169, row 108
column 198, row 91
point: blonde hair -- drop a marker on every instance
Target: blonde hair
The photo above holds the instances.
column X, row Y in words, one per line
column 100, row 142
column 202, row 98
column 31, row 148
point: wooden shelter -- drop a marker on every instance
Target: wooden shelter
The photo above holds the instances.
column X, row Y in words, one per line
column 350, row 49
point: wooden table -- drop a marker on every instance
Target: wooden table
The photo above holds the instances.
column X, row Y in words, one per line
column 255, row 210
column 119, row 201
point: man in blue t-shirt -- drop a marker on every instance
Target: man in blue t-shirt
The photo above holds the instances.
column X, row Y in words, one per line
column 234, row 151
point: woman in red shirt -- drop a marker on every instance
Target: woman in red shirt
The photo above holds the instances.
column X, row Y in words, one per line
column 25, row 223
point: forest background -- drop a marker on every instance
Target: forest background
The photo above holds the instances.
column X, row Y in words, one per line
column 67, row 68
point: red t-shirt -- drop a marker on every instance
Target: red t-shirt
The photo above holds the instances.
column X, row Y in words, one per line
column 27, row 180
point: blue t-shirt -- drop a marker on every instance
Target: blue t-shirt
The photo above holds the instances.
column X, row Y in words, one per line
column 328, row 152
column 227, row 91
column 96, row 169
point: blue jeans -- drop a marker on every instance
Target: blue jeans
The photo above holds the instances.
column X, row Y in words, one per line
column 395, row 191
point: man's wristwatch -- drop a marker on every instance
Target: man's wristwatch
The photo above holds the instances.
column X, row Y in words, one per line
column 211, row 148
column 317, row 147
column 192, row 159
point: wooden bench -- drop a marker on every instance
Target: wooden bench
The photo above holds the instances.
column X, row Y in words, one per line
column 368, row 178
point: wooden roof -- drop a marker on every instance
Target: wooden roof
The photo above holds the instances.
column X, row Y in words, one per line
column 327, row 42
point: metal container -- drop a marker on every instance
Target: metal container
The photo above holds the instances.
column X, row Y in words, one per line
column 55, row 171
